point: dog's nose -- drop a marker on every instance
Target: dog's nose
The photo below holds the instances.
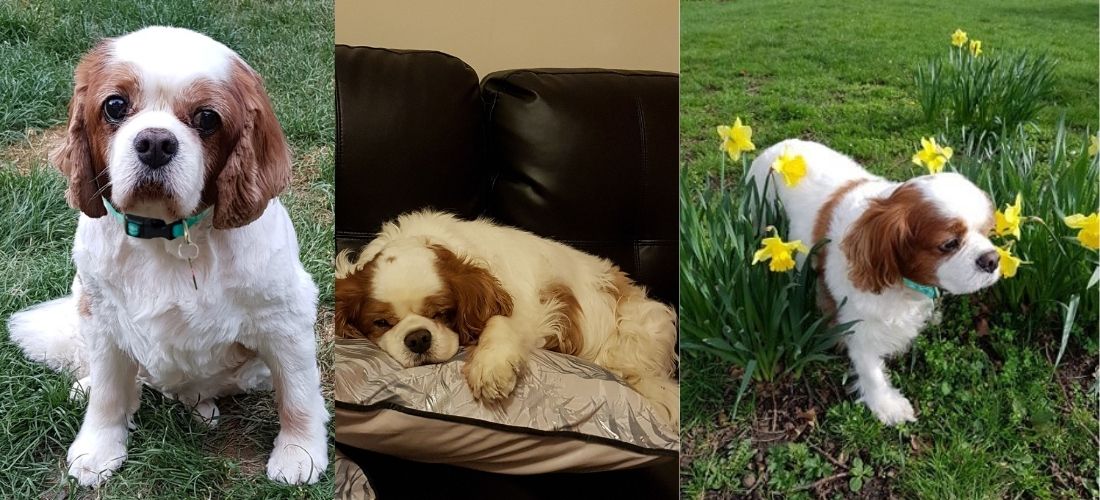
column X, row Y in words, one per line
column 155, row 147
column 419, row 341
column 989, row 261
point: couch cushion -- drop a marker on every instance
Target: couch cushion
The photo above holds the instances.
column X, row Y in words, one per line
column 589, row 157
column 409, row 136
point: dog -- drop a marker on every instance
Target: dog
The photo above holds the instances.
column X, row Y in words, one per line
column 431, row 283
column 187, row 271
column 891, row 247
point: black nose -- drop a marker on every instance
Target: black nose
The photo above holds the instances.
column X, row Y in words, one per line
column 989, row 261
column 419, row 341
column 155, row 146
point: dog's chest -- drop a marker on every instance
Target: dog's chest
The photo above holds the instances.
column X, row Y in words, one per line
column 179, row 330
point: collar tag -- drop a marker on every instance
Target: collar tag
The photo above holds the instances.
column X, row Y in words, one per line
column 926, row 290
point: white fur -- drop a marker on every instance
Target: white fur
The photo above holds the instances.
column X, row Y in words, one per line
column 635, row 338
column 890, row 320
column 249, row 326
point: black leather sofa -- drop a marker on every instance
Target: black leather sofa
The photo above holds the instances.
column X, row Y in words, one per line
column 584, row 156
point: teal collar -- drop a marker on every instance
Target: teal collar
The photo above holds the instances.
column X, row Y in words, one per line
column 149, row 228
column 926, row 290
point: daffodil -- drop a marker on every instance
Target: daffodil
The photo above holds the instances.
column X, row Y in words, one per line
column 1009, row 263
column 1089, row 236
column 958, row 38
column 976, row 47
column 932, row 155
column 779, row 253
column 1008, row 222
column 1094, row 146
column 736, row 139
column 792, row 167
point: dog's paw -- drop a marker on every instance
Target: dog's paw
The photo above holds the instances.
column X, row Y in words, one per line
column 206, row 413
column 492, row 373
column 891, row 408
column 297, row 460
column 94, row 457
column 664, row 395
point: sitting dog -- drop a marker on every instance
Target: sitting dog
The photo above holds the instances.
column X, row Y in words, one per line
column 431, row 283
column 891, row 247
column 188, row 278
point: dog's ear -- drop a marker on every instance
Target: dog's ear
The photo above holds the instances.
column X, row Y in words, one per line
column 875, row 245
column 258, row 168
column 74, row 156
column 350, row 294
column 477, row 294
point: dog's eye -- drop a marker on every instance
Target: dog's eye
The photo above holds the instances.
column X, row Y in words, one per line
column 115, row 108
column 442, row 315
column 206, row 121
column 381, row 323
column 950, row 245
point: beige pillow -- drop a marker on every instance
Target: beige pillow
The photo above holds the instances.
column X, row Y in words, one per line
column 566, row 415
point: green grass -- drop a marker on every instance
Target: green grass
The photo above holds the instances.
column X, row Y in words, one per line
column 995, row 418
column 290, row 44
column 842, row 73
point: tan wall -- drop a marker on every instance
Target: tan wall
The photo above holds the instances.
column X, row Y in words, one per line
column 492, row 35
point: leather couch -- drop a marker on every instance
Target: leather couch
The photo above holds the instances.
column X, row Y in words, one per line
column 587, row 157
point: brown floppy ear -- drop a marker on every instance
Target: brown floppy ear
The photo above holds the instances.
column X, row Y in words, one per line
column 875, row 243
column 73, row 156
column 477, row 294
column 350, row 294
column 258, row 169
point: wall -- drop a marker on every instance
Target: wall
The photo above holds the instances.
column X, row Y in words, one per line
column 491, row 35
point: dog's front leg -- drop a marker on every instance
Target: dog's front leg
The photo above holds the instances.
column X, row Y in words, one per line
column 867, row 350
column 300, row 454
column 100, row 447
column 496, row 362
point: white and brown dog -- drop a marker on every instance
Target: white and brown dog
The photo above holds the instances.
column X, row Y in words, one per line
column 892, row 247
column 430, row 283
column 188, row 277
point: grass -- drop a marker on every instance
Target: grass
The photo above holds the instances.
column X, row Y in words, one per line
column 996, row 419
column 290, row 44
column 842, row 73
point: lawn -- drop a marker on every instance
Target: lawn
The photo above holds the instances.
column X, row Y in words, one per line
column 288, row 42
column 997, row 419
column 842, row 73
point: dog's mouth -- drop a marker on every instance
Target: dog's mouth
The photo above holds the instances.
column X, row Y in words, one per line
column 151, row 198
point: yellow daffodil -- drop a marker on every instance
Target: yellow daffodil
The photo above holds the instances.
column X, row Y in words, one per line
column 792, row 167
column 976, row 47
column 1094, row 146
column 932, row 155
column 1008, row 222
column 1089, row 236
column 958, row 38
column 1009, row 263
column 779, row 252
column 736, row 139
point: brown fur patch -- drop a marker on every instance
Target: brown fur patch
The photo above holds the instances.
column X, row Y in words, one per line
column 826, row 301
column 357, row 314
column 259, row 166
column 81, row 155
column 476, row 294
column 571, row 341
column 898, row 236
column 84, row 305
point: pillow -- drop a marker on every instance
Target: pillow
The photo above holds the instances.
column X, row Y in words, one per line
column 566, row 415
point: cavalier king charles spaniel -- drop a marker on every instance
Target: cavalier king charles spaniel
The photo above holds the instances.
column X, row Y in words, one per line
column 892, row 246
column 431, row 283
column 188, row 278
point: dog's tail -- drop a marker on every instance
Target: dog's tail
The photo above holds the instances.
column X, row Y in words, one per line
column 48, row 333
